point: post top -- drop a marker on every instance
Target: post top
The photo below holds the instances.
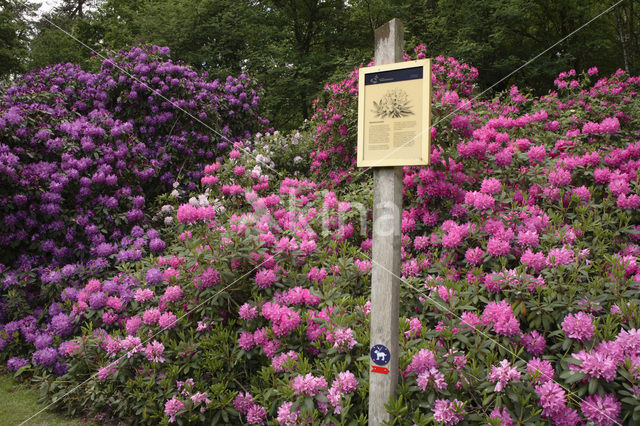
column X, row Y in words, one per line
column 389, row 40
column 385, row 30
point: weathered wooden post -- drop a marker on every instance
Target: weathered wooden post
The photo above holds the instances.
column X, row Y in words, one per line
column 393, row 131
column 385, row 282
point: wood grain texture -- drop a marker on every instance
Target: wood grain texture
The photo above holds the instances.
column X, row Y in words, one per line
column 387, row 221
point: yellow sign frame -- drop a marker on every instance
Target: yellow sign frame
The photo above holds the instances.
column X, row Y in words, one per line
column 394, row 114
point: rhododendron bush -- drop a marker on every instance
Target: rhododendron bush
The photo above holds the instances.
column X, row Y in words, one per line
column 519, row 275
column 84, row 156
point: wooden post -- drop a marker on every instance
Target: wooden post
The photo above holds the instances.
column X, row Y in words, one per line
column 385, row 281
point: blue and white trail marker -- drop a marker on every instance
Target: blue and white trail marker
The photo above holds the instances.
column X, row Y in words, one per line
column 380, row 355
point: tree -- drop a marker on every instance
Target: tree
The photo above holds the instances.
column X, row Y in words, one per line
column 292, row 47
column 14, row 34
column 66, row 34
column 626, row 17
column 498, row 36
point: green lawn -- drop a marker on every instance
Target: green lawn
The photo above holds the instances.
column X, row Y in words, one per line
column 18, row 402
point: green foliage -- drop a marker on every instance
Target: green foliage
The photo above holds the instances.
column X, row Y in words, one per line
column 498, row 36
column 292, row 47
column 14, row 35
column 58, row 40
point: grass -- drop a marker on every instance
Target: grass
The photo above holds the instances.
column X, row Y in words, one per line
column 18, row 402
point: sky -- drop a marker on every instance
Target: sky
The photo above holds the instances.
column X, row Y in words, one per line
column 46, row 5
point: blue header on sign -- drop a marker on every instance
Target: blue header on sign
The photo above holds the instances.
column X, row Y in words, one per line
column 393, row 76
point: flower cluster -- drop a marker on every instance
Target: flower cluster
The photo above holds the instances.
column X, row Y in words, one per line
column 518, row 243
column 83, row 157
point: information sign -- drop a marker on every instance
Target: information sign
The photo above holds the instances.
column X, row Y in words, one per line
column 394, row 113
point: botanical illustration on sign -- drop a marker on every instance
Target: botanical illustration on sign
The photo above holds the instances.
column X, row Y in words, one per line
column 394, row 104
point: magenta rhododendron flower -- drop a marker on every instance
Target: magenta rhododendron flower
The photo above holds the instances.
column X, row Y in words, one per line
column 507, row 211
column 286, row 416
column 167, row 320
column 503, row 374
column 154, row 351
column 602, row 410
column 308, row 384
column 172, row 409
column 133, row 324
column 247, row 312
column 540, row 370
column 265, row 278
column 286, row 358
column 552, row 398
column 448, row 412
column 143, row 295
column 598, row 364
column 172, row 294
column 246, row 341
column 578, row 326
column 243, row 402
column 502, row 415
column 501, row 316
column 534, row 342
column 151, row 316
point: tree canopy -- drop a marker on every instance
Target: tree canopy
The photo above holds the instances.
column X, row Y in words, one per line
column 293, row 46
column 14, row 35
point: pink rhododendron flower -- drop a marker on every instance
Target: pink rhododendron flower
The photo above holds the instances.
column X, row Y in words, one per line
column 143, row 295
column 265, row 278
column 498, row 247
column 596, row 364
column 172, row 293
column 431, row 376
column 344, row 383
column 504, row 416
column 557, row 257
column 415, row 328
column 610, row 125
column 256, row 415
column 540, row 370
column 286, row 358
column 578, row 326
column 534, row 343
column 151, row 316
column 247, row 312
column 167, row 320
column 284, row 319
column 243, row 402
column 154, row 351
column 285, row 416
column 209, row 277
column 448, row 412
column 536, row 261
column 630, row 202
column 172, row 409
column 501, row 316
column 133, row 324
column 537, row 153
column 246, row 341
column 552, row 398
column 602, row 410
column 503, row 374
column 342, row 339
column 450, row 97
column 560, row 177
column 308, row 384
column 317, row 275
